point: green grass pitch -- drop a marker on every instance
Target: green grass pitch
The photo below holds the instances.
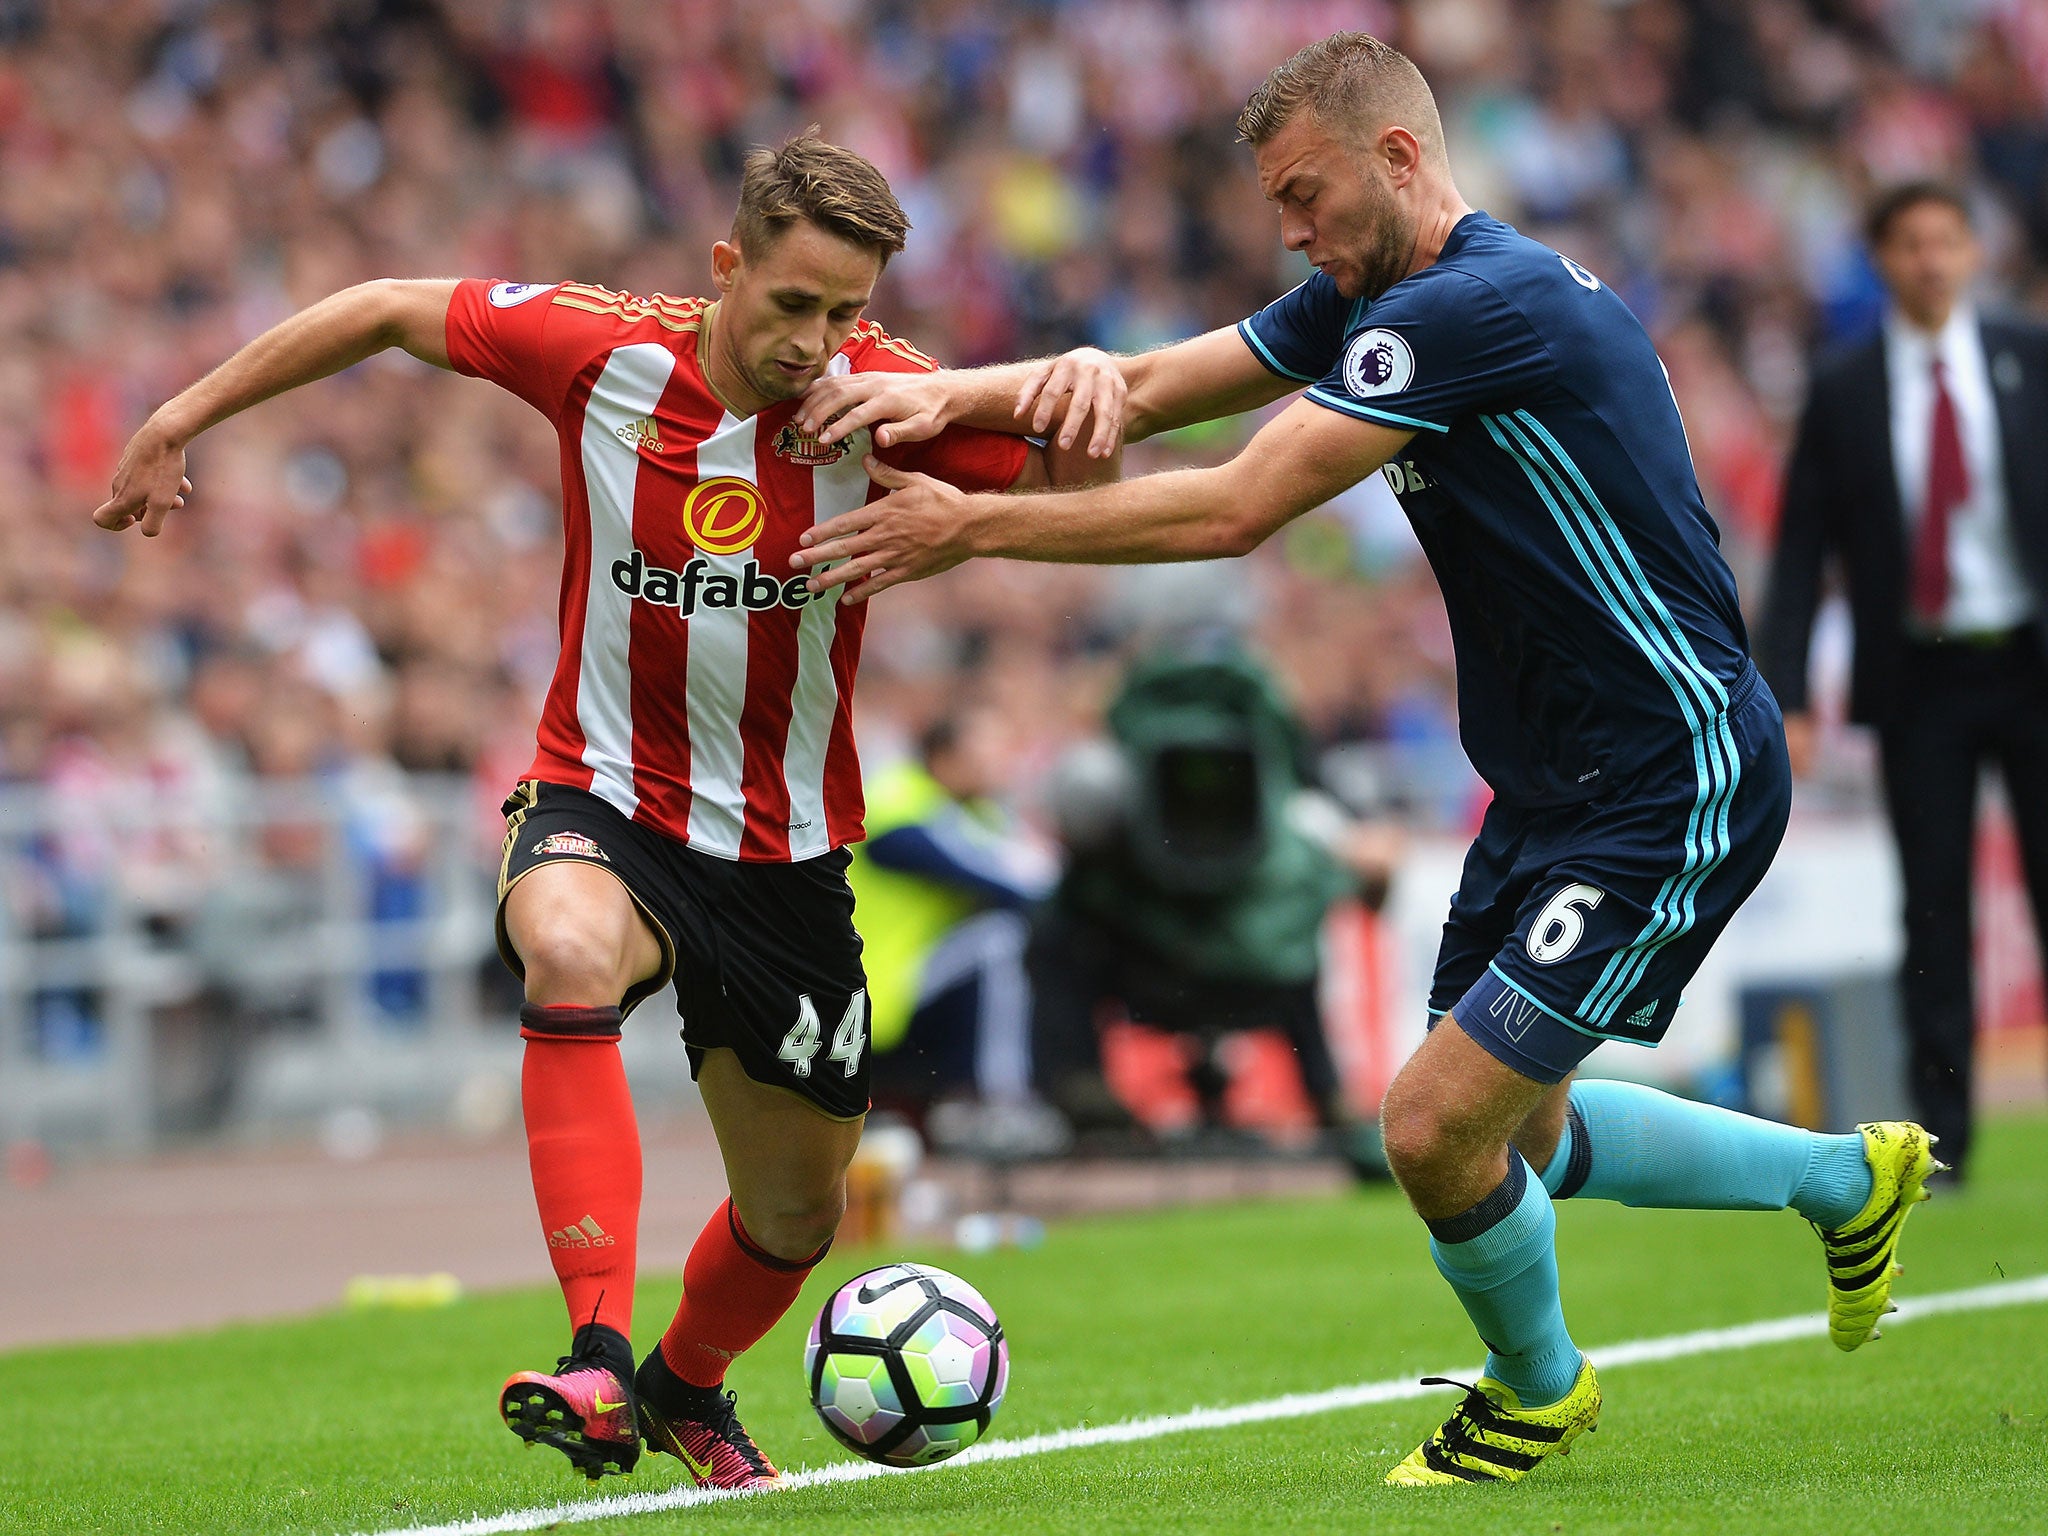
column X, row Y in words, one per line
column 365, row 1422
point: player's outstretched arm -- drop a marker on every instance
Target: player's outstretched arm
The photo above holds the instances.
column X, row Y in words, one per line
column 337, row 333
column 1204, row 378
column 1297, row 462
column 1084, row 396
column 912, row 407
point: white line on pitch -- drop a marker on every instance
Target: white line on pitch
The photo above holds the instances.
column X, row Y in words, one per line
column 1296, row 1405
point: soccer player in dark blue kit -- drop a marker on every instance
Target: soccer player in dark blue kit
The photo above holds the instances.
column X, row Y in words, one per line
column 1605, row 692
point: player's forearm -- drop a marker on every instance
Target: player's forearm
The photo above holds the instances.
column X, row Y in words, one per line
column 1152, row 406
column 1204, row 378
column 1069, row 468
column 985, row 397
column 336, row 333
column 1184, row 514
column 1298, row 461
column 989, row 398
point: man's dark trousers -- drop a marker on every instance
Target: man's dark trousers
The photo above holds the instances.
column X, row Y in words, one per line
column 1961, row 702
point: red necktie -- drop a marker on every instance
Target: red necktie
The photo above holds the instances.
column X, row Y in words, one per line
column 1948, row 485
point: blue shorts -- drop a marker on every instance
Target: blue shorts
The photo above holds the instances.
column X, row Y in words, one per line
column 1582, row 923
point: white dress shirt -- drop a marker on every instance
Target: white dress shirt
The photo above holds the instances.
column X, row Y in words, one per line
column 1986, row 590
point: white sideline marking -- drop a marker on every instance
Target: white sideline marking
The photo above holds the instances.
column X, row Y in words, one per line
column 1296, row 1405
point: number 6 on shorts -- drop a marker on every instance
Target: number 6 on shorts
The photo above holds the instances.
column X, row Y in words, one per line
column 1558, row 927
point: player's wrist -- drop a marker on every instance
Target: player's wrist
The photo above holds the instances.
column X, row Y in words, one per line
column 171, row 426
column 979, row 527
column 952, row 395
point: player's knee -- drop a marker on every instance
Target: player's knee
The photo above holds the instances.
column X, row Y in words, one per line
column 1425, row 1136
column 568, row 963
column 796, row 1224
column 1415, row 1139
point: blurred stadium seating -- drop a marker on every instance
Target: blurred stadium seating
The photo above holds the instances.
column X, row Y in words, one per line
column 363, row 588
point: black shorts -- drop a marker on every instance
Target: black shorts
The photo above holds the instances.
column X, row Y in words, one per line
column 1579, row 924
column 765, row 958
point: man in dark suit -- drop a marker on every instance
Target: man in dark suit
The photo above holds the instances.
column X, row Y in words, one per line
column 1922, row 468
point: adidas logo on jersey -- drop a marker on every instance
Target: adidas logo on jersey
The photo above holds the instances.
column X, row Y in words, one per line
column 641, row 434
column 697, row 585
column 1643, row 1018
column 585, row 1234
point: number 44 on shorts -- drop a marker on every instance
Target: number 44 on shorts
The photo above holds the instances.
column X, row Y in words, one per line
column 805, row 1036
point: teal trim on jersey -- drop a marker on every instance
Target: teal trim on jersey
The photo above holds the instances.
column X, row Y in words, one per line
column 1715, row 691
column 1707, row 841
column 1579, row 534
column 1681, row 914
column 1244, row 329
column 1604, row 555
column 1352, row 407
column 1672, row 912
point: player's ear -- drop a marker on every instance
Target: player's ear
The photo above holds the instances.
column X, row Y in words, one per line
column 1401, row 153
column 725, row 264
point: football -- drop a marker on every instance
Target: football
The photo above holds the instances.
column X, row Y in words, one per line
column 907, row 1365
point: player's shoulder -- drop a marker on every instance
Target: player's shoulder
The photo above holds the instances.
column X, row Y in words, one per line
column 1316, row 297
column 602, row 308
column 1495, row 281
column 1490, row 263
column 871, row 349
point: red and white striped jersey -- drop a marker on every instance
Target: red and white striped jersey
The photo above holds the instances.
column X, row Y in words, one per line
column 701, row 689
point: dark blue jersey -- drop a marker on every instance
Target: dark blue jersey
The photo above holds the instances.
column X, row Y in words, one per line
column 1595, row 622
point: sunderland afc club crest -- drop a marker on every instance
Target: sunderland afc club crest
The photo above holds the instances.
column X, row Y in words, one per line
column 570, row 844
column 800, row 448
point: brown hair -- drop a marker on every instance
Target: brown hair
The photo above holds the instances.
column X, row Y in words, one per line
column 1893, row 201
column 836, row 189
column 1350, row 82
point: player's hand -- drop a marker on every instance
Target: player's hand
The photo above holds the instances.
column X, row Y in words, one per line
column 1088, row 380
column 149, row 484
column 900, row 407
column 917, row 530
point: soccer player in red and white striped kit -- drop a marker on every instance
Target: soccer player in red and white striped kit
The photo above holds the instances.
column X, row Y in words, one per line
column 688, row 811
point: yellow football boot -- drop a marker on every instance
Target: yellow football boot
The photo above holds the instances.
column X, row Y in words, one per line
column 1860, row 1267
column 1491, row 1438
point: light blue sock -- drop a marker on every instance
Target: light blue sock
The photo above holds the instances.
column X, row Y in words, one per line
column 1633, row 1144
column 1501, row 1259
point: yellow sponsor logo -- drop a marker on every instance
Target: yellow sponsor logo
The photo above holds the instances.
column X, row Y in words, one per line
column 723, row 516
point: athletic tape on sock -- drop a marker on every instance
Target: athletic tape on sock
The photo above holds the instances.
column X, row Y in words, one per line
column 1488, row 1213
column 565, row 1021
column 1573, row 1161
column 763, row 1257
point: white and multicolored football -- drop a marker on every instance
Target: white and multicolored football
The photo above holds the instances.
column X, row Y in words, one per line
column 907, row 1365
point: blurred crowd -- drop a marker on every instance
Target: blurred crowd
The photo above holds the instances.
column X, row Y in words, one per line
column 365, row 580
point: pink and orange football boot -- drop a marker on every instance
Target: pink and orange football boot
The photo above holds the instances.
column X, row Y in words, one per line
column 700, row 1427
column 583, row 1410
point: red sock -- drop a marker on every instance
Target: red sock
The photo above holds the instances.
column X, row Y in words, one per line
column 733, row 1293
column 584, row 1147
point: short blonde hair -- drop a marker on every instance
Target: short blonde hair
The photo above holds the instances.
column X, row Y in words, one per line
column 837, row 190
column 1349, row 82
